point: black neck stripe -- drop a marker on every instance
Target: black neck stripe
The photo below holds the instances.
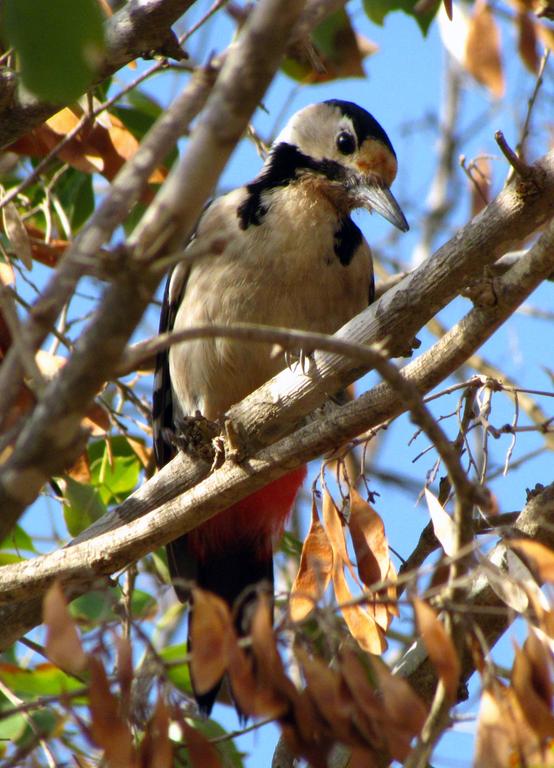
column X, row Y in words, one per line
column 282, row 167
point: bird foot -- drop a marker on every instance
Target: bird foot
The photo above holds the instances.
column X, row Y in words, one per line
column 213, row 441
column 199, row 437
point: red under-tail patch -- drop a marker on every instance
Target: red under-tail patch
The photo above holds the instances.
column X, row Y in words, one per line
column 259, row 519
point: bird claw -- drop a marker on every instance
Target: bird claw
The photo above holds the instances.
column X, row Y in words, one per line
column 197, row 436
column 301, row 358
column 213, row 441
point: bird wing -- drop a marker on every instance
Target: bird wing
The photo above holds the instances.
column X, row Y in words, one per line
column 162, row 414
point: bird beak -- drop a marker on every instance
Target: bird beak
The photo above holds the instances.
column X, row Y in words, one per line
column 373, row 193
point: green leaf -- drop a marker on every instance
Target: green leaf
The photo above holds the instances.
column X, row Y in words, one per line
column 143, row 605
column 9, row 558
column 325, row 35
column 290, row 545
column 159, row 558
column 230, row 755
column 42, row 680
column 134, row 217
column 115, row 474
column 179, row 674
column 18, row 539
column 59, row 45
column 377, row 10
column 99, row 606
column 339, row 51
column 139, row 120
column 44, row 722
column 13, row 727
column 93, row 608
column 84, row 505
column 75, row 192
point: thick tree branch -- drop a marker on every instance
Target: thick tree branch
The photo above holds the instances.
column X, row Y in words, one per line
column 120, row 537
column 51, row 438
column 140, row 27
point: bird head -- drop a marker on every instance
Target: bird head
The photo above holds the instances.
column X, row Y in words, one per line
column 345, row 150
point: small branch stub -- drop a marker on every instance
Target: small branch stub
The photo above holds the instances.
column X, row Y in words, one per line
column 521, row 168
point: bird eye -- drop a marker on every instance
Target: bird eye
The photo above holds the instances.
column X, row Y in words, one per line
column 346, row 143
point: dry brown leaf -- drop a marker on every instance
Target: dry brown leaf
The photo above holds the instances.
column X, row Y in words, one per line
column 493, row 747
column 443, row 525
column 372, row 556
column 363, row 627
column 482, row 54
column 97, row 420
column 331, row 697
column 527, row 42
column 439, row 646
column 142, row 452
column 253, row 699
column 392, row 594
column 405, row 712
column 108, row 729
column 124, row 666
column 17, row 234
column 532, row 687
column 270, row 673
column 356, row 678
column 80, row 470
column 202, row 754
column 541, row 664
column 448, row 8
column 539, row 557
column 63, row 645
column 101, row 147
column 370, row 542
column 315, row 753
column 254, row 694
column 393, row 713
column 314, row 572
column 211, row 637
column 362, row 758
column 546, row 35
column 48, row 253
column 504, row 737
column 335, row 531
column 156, row 750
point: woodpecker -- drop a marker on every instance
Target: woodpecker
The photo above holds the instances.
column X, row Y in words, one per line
column 280, row 251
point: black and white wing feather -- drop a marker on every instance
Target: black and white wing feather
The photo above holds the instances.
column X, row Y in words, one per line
column 163, row 406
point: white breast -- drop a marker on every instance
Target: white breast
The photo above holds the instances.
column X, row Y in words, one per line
column 283, row 272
